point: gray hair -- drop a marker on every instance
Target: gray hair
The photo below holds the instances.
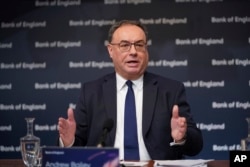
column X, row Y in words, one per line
column 115, row 26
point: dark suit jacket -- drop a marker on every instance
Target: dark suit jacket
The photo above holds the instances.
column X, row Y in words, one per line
column 97, row 103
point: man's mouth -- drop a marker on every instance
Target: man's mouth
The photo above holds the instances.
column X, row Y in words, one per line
column 132, row 62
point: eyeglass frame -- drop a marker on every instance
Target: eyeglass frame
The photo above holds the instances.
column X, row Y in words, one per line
column 130, row 45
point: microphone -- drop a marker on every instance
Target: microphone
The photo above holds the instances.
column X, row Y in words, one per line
column 107, row 126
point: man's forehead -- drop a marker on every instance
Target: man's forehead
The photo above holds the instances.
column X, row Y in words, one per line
column 129, row 32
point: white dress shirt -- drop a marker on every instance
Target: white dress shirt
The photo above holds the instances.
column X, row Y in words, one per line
column 121, row 94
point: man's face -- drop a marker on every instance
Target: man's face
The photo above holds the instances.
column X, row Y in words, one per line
column 131, row 63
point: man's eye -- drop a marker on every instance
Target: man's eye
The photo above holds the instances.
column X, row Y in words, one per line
column 139, row 44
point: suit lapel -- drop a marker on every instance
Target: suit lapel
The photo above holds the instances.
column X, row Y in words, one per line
column 149, row 100
column 109, row 93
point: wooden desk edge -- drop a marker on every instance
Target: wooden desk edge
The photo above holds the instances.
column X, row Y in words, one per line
column 19, row 163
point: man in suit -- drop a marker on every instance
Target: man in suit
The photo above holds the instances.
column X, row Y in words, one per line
column 165, row 127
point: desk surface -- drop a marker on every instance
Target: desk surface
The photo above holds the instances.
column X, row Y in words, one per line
column 19, row 163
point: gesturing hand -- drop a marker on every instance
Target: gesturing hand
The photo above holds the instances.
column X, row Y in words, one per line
column 67, row 128
column 178, row 125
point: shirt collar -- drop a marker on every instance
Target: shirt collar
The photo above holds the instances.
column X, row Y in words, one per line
column 121, row 82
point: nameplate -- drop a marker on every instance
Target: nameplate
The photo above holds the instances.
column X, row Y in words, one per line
column 79, row 157
column 239, row 158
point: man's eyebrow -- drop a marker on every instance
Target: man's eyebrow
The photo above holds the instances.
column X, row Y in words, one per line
column 133, row 42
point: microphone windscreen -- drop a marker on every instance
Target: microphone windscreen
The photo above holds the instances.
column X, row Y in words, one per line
column 108, row 124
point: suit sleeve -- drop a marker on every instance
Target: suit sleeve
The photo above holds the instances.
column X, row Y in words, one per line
column 80, row 114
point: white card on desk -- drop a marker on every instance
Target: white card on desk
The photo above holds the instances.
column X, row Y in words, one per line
column 182, row 163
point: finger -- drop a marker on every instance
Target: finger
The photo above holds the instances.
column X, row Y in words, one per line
column 182, row 122
column 62, row 124
column 175, row 111
column 71, row 115
column 60, row 129
column 62, row 136
column 182, row 131
column 62, row 121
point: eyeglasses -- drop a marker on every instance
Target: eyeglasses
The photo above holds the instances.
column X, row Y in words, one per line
column 125, row 46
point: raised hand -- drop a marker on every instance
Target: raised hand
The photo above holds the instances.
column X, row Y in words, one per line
column 67, row 128
column 178, row 125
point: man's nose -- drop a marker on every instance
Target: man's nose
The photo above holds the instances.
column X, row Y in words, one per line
column 132, row 48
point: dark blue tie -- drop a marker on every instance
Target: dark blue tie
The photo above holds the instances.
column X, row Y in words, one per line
column 131, row 150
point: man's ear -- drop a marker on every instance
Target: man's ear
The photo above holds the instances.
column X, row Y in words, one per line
column 110, row 50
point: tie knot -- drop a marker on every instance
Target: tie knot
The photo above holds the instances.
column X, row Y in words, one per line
column 129, row 83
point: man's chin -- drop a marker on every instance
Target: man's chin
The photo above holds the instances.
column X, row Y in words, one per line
column 133, row 71
column 134, row 74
